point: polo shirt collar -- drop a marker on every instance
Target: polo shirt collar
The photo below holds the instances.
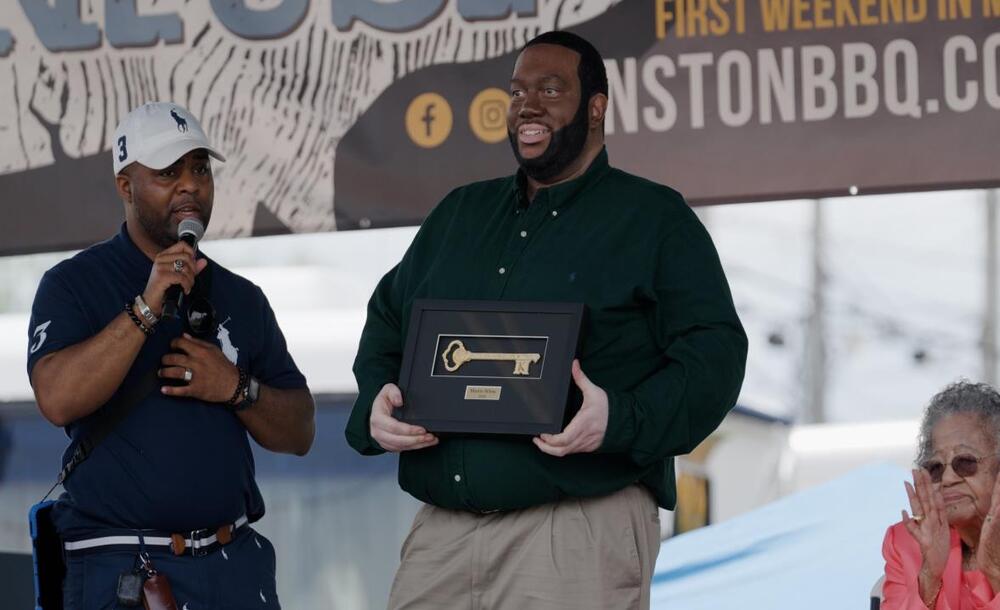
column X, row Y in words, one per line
column 129, row 251
column 560, row 195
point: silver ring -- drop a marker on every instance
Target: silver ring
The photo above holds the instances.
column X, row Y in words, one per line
column 178, row 265
column 188, row 375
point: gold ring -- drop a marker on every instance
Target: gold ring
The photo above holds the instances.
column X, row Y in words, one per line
column 917, row 518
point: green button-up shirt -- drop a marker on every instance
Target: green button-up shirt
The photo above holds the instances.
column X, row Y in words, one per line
column 661, row 336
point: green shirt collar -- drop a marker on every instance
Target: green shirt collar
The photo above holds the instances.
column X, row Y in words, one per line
column 560, row 195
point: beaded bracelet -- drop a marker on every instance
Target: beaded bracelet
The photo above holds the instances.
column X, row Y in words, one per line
column 131, row 314
column 241, row 388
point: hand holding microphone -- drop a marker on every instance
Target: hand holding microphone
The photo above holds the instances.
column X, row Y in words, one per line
column 174, row 270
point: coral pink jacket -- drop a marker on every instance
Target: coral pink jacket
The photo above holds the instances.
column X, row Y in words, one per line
column 959, row 591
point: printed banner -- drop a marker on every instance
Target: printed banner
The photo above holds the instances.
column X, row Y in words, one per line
column 351, row 114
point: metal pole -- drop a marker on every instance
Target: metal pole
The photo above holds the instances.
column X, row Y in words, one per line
column 814, row 409
column 989, row 339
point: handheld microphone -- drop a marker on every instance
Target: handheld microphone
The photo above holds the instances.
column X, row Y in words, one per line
column 189, row 231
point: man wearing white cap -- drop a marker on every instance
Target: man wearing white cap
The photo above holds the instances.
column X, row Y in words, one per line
column 159, row 475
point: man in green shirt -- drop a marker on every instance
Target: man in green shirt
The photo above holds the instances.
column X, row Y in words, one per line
column 568, row 519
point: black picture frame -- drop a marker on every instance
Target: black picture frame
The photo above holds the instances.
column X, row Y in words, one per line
column 494, row 396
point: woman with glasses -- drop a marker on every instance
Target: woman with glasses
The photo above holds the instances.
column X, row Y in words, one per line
column 945, row 554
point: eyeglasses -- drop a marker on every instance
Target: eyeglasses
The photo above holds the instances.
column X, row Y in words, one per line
column 964, row 466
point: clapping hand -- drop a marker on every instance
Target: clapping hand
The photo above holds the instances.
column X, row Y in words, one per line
column 929, row 527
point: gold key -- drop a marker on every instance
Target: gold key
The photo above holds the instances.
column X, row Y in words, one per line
column 455, row 355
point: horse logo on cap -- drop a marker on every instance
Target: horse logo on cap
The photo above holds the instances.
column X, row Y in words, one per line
column 182, row 124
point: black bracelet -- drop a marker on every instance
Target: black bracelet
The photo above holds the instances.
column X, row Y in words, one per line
column 241, row 386
column 146, row 331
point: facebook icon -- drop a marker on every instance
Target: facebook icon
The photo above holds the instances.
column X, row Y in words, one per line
column 428, row 118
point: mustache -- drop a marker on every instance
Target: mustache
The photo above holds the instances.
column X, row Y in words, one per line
column 190, row 204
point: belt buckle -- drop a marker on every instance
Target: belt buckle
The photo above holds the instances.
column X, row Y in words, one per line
column 197, row 548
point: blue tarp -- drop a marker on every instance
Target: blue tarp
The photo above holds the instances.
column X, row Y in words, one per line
column 820, row 548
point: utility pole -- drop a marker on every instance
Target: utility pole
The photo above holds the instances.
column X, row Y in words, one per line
column 814, row 409
column 989, row 339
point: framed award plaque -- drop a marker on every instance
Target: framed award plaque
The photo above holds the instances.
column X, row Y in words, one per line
column 500, row 367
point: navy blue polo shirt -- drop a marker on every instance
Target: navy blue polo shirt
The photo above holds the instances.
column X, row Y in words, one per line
column 174, row 464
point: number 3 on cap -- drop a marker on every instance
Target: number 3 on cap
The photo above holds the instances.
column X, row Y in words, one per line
column 121, row 147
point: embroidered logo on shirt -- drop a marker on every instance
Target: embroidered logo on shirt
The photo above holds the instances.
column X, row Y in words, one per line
column 40, row 335
column 231, row 352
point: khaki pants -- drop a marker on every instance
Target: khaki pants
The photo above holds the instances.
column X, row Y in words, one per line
column 579, row 553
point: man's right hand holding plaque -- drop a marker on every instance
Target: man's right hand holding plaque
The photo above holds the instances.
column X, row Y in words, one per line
column 390, row 433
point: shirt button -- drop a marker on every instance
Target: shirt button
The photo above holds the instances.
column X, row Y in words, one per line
column 458, row 478
column 524, row 233
column 502, row 270
column 555, row 213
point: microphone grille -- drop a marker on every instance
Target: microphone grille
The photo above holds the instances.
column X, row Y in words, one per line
column 191, row 226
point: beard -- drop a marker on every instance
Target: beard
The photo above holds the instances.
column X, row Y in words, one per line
column 162, row 230
column 565, row 146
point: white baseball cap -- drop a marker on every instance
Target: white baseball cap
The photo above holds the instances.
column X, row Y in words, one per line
column 156, row 134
